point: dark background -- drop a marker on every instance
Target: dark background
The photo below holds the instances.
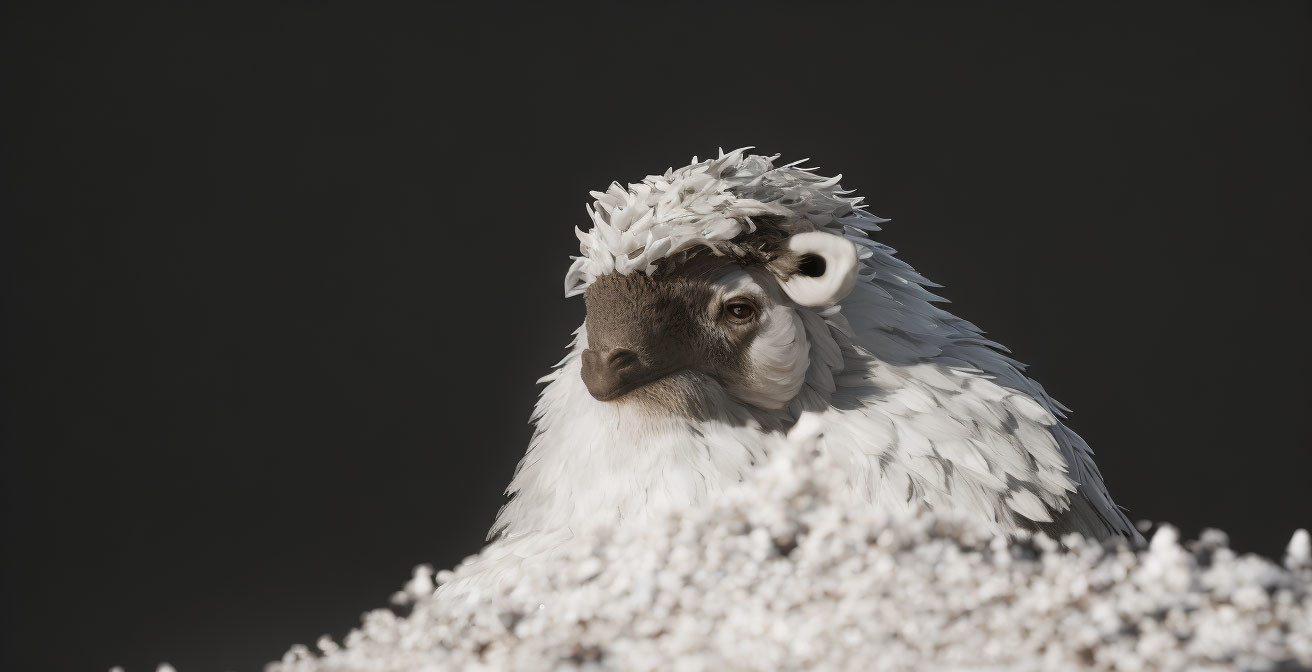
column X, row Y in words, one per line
column 278, row 280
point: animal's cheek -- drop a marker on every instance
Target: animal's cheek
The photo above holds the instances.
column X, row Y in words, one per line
column 774, row 368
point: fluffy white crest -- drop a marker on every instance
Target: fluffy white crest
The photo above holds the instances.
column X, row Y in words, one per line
column 707, row 203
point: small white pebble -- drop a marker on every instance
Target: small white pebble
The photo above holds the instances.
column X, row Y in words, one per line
column 1299, row 553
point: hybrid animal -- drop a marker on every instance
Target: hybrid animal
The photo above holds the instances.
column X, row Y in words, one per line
column 729, row 297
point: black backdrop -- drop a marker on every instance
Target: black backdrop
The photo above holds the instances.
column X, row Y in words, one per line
column 278, row 280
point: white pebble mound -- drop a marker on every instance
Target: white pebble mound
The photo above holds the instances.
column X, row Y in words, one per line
column 778, row 575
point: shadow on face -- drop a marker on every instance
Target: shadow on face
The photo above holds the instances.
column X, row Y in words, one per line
column 642, row 329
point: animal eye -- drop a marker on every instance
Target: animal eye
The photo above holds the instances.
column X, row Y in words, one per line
column 740, row 311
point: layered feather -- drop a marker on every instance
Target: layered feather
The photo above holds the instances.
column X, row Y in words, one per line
column 924, row 410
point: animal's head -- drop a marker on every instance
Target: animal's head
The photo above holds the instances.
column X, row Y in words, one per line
column 713, row 318
column 701, row 276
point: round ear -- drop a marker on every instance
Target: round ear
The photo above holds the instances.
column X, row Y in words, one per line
column 826, row 269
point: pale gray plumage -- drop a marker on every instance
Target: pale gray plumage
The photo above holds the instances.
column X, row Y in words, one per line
column 924, row 409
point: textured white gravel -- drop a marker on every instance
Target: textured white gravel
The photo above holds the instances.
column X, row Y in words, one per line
column 777, row 575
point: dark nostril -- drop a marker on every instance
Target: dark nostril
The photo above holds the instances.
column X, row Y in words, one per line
column 619, row 358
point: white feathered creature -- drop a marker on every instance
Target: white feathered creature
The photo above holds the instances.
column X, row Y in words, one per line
column 727, row 298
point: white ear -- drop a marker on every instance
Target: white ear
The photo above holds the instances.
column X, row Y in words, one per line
column 827, row 269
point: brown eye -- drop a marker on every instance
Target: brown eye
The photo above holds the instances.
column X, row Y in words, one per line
column 740, row 311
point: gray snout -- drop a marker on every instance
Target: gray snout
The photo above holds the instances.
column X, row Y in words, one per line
column 612, row 372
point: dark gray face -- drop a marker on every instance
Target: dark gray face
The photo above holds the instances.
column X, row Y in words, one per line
column 642, row 329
